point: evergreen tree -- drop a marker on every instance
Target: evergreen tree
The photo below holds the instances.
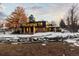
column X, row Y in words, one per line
column 62, row 24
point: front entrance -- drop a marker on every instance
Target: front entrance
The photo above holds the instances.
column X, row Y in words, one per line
column 31, row 30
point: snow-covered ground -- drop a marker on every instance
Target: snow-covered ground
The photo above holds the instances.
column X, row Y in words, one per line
column 71, row 37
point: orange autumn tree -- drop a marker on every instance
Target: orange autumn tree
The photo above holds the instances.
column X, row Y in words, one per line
column 16, row 18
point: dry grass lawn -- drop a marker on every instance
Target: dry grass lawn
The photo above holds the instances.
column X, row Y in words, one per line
column 36, row 49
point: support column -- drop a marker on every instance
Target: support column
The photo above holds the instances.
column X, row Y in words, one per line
column 29, row 30
column 55, row 29
column 24, row 30
column 34, row 30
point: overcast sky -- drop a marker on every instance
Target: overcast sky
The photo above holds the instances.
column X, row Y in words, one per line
column 41, row 11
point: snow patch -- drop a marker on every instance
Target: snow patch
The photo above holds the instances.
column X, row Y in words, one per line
column 43, row 44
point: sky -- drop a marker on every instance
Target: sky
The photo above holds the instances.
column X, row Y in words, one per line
column 42, row 11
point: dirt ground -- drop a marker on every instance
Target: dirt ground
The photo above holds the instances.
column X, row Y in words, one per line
column 36, row 49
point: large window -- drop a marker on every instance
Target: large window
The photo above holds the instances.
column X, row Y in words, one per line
column 39, row 24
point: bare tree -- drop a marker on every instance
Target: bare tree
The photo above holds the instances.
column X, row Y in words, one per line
column 72, row 18
column 53, row 23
